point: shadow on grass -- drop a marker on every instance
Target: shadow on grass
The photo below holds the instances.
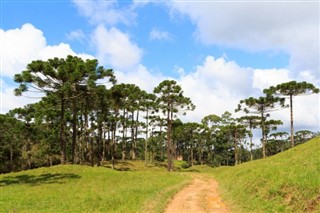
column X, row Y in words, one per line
column 189, row 170
column 120, row 166
column 47, row 178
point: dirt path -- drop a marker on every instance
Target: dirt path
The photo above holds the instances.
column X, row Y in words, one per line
column 200, row 196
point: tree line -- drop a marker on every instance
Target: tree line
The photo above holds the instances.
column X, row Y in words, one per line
column 86, row 117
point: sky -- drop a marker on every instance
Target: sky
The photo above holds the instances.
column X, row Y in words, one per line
column 220, row 52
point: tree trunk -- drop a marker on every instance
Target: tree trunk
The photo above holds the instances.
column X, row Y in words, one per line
column 86, row 133
column 123, row 147
column 133, row 156
column 169, row 141
column 251, row 156
column 291, row 122
column 146, row 141
column 74, row 131
column 236, row 151
column 136, row 134
column 191, row 155
column 99, row 140
column 113, row 145
column 264, row 142
column 28, row 150
column 104, row 144
column 62, row 136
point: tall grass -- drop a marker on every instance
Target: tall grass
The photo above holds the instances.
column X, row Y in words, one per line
column 74, row 188
column 287, row 182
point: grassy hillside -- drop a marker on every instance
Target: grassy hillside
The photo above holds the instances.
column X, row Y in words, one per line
column 74, row 188
column 287, row 182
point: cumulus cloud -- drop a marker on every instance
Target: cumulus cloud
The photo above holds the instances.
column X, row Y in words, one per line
column 114, row 48
column 142, row 77
column 156, row 34
column 22, row 45
column 19, row 47
column 292, row 27
column 105, row 12
column 264, row 78
column 9, row 101
column 77, row 35
column 216, row 86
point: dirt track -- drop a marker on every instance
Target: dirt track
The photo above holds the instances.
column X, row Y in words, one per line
column 201, row 196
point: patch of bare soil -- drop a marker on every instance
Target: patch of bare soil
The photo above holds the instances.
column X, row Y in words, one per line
column 201, row 196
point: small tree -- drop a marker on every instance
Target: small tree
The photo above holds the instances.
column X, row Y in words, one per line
column 291, row 89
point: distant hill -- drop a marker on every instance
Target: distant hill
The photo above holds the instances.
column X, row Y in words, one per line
column 286, row 182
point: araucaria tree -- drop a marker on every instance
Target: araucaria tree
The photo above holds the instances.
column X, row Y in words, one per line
column 251, row 122
column 291, row 89
column 66, row 80
column 171, row 100
column 261, row 106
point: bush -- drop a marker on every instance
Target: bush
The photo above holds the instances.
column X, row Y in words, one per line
column 185, row 165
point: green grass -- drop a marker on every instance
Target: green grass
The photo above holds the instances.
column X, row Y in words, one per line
column 287, row 182
column 73, row 188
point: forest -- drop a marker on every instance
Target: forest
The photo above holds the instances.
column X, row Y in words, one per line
column 85, row 117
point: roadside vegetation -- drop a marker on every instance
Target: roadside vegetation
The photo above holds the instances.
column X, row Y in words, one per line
column 286, row 182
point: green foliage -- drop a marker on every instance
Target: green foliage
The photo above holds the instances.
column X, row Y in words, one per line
column 82, row 122
column 185, row 165
column 291, row 89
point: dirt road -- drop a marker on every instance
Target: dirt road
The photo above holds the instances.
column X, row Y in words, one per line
column 201, row 196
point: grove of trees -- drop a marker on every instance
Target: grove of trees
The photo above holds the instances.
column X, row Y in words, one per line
column 85, row 117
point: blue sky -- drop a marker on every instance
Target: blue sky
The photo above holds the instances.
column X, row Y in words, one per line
column 220, row 52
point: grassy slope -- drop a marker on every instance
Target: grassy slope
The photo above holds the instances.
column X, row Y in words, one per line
column 75, row 188
column 287, row 182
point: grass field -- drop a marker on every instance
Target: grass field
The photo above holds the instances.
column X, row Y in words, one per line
column 287, row 182
column 74, row 188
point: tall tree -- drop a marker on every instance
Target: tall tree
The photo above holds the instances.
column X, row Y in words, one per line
column 62, row 78
column 251, row 122
column 148, row 105
column 261, row 106
column 171, row 100
column 291, row 89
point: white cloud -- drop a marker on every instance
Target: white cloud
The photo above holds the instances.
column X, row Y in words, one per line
column 216, row 86
column 292, row 27
column 9, row 101
column 142, row 77
column 264, row 78
column 23, row 45
column 19, row 47
column 114, row 48
column 156, row 34
column 105, row 12
column 76, row 35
